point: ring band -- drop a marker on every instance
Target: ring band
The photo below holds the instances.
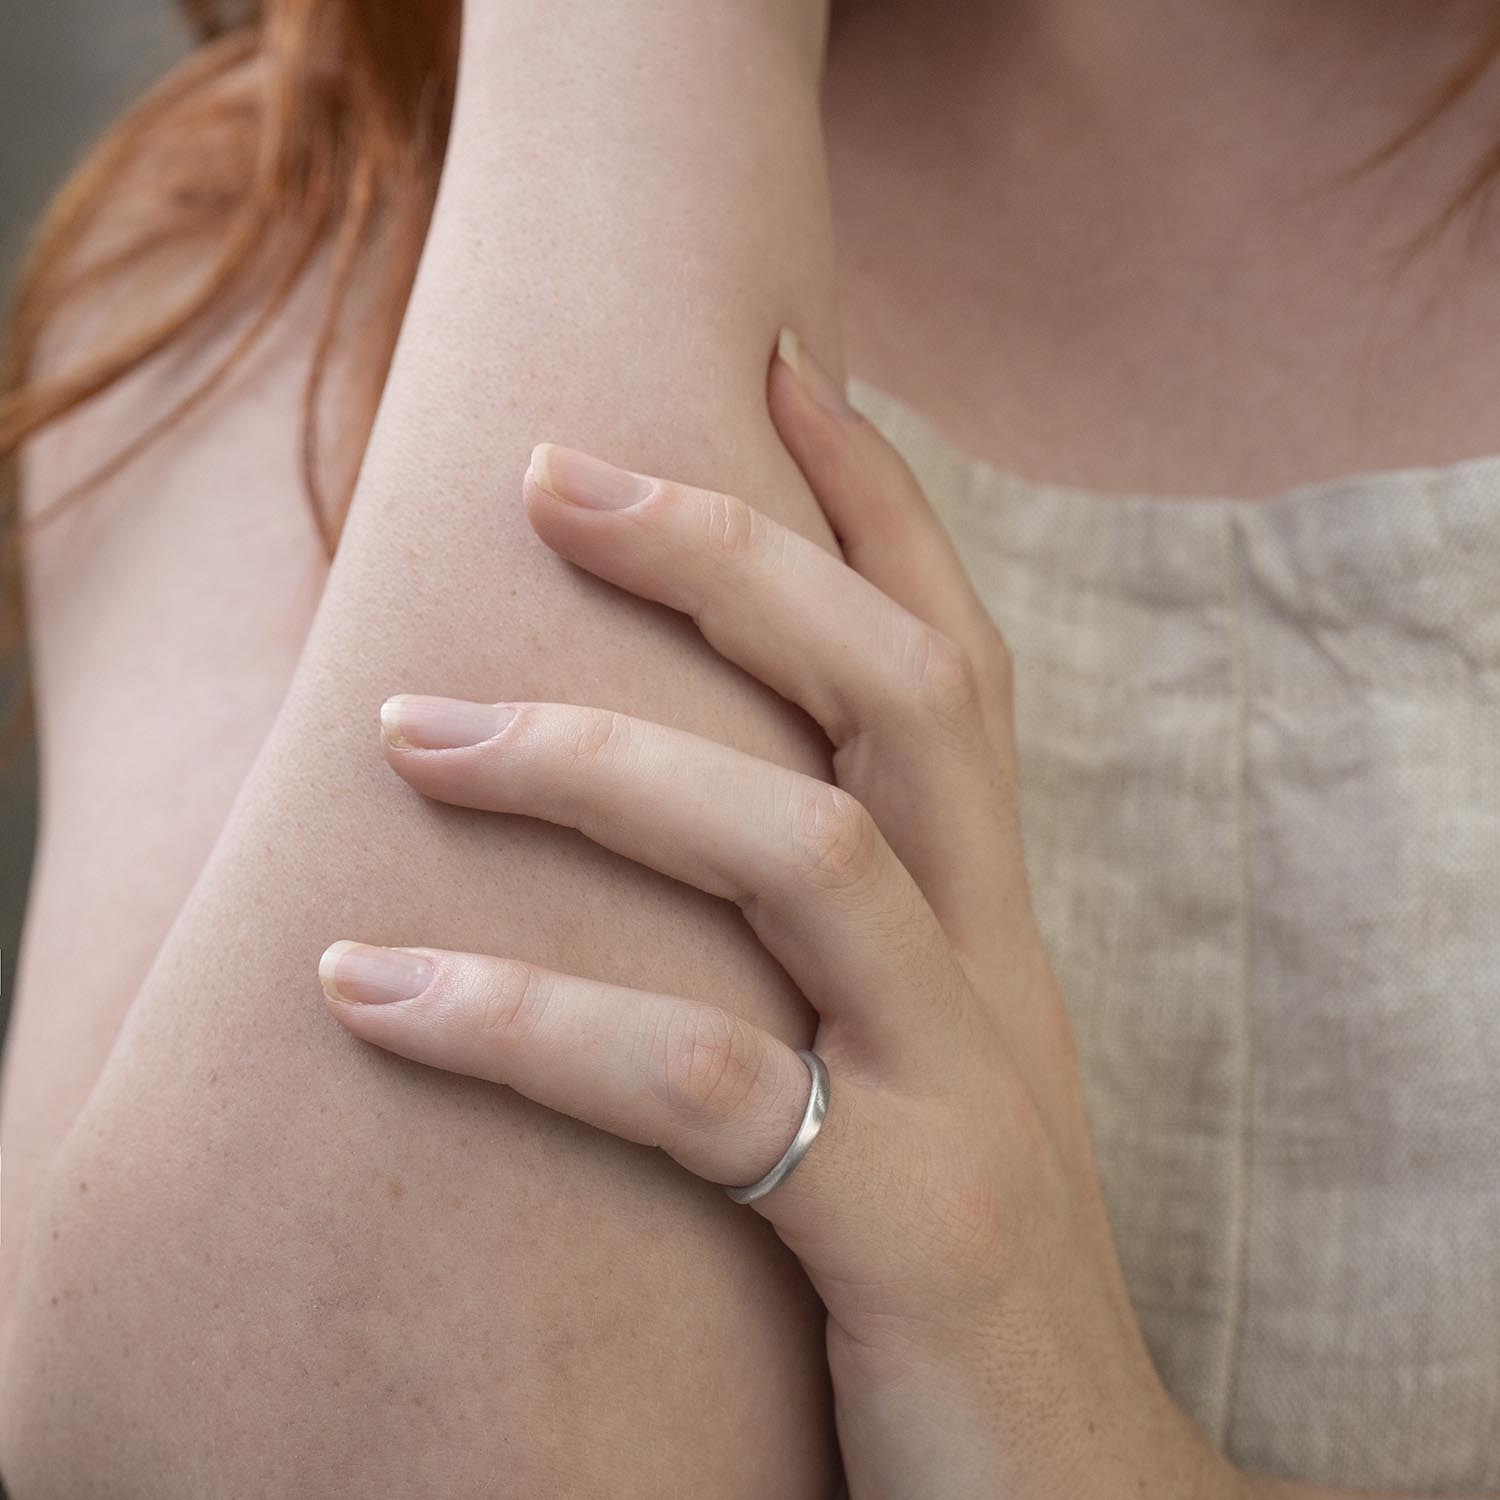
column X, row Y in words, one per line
column 807, row 1133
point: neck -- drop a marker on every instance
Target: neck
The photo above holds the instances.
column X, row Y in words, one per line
column 1352, row 70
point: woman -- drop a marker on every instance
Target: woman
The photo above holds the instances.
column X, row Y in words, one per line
column 1253, row 754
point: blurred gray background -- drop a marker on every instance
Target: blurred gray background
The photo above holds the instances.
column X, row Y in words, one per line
column 67, row 67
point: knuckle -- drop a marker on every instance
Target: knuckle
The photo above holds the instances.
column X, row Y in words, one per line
column 513, row 1000
column 704, row 1068
column 963, row 1208
column 946, row 685
column 837, row 844
column 732, row 529
column 596, row 734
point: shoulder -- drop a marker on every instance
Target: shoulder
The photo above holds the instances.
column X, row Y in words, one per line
column 165, row 415
column 129, row 243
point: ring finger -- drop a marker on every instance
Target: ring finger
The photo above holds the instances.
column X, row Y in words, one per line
column 721, row 1097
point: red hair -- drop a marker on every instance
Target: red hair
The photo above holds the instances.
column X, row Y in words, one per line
column 297, row 126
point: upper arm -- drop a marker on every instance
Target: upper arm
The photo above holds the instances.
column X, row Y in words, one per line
column 284, row 1263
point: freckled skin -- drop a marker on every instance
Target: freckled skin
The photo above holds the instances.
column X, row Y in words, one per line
column 188, row 710
column 238, row 1146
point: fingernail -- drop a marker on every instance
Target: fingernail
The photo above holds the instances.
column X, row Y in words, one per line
column 582, row 479
column 816, row 381
column 412, row 722
column 363, row 975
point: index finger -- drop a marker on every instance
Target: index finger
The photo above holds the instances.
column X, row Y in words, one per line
column 900, row 702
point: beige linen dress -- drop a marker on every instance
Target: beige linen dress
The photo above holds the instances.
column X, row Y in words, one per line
column 1260, row 747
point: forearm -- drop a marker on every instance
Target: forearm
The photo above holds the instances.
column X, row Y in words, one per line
column 389, row 1280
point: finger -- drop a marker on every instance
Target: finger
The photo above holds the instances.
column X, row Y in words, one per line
column 721, row 1097
column 889, row 532
column 899, row 701
column 803, row 859
column 885, row 524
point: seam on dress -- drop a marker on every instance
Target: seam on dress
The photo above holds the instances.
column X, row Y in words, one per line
column 1239, row 1243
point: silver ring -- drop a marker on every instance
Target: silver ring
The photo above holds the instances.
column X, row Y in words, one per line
column 807, row 1133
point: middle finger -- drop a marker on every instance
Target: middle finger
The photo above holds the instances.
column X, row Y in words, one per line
column 899, row 700
column 803, row 859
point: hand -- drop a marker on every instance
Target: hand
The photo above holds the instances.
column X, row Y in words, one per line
column 980, row 1338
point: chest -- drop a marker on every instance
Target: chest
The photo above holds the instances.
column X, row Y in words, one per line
column 1261, row 806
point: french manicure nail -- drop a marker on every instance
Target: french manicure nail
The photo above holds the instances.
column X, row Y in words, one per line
column 412, row 722
column 582, row 479
column 816, row 381
column 363, row 975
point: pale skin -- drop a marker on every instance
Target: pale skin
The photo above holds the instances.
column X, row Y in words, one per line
column 619, row 1359
column 949, row 1213
column 436, row 479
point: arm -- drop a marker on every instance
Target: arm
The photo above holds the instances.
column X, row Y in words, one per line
column 974, row 1354
column 279, row 1262
column 1259, row 1487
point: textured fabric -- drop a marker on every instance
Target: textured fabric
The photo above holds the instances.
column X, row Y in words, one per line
column 1260, row 746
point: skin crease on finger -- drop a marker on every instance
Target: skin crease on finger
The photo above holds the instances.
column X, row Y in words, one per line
column 1037, row 398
